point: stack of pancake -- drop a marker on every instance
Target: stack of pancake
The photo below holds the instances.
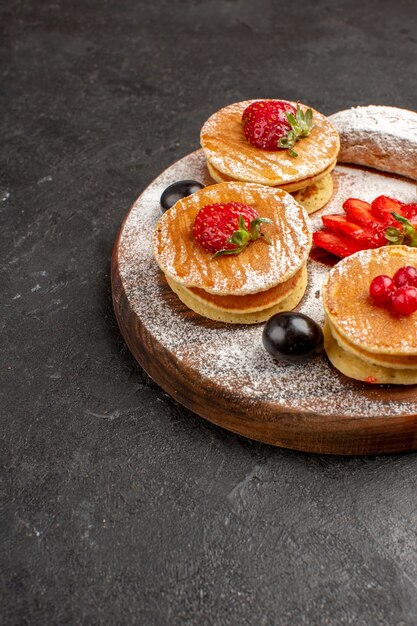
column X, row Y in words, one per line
column 248, row 287
column 362, row 340
column 231, row 157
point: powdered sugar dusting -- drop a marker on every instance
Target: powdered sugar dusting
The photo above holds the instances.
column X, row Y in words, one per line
column 233, row 356
column 379, row 136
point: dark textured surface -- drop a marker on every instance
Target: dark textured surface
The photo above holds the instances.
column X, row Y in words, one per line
column 118, row 506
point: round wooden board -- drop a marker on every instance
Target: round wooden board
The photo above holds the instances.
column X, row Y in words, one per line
column 222, row 372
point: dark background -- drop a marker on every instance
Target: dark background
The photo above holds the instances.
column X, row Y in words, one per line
column 119, row 506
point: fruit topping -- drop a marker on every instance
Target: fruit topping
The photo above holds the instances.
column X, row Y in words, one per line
column 177, row 191
column 383, row 222
column 337, row 244
column 406, row 275
column 275, row 124
column 398, row 293
column 381, row 289
column 228, row 228
column 404, row 300
column 383, row 206
column 292, row 337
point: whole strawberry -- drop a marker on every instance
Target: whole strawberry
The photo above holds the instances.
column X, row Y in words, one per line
column 227, row 228
column 275, row 124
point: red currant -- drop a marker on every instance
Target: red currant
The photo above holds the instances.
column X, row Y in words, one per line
column 405, row 276
column 381, row 289
column 404, row 300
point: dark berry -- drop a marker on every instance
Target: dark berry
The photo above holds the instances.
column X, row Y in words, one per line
column 177, row 191
column 406, row 276
column 381, row 289
column 292, row 337
column 404, row 300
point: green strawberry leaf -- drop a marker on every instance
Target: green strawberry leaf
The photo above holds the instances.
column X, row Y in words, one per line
column 407, row 236
column 242, row 236
column 300, row 127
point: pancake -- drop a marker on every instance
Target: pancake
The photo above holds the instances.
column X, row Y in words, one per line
column 354, row 367
column 219, row 177
column 312, row 193
column 315, row 196
column 233, row 316
column 258, row 267
column 387, row 360
column 228, row 151
column 362, row 340
column 253, row 302
column 351, row 311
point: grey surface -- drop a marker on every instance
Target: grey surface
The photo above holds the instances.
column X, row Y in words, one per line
column 119, row 506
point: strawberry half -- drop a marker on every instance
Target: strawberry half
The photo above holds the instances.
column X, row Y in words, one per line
column 383, row 222
column 336, row 243
column 339, row 224
column 228, row 228
column 373, row 236
column 359, row 212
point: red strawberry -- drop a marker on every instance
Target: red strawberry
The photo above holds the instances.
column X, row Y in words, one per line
column 265, row 123
column 371, row 237
column 359, row 211
column 339, row 224
column 368, row 226
column 410, row 211
column 383, row 206
column 227, row 228
column 336, row 243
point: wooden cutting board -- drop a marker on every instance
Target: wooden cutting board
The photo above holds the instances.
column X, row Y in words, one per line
column 222, row 372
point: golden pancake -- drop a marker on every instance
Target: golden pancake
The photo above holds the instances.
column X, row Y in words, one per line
column 312, row 193
column 356, row 368
column 258, row 267
column 252, row 302
column 387, row 360
column 206, row 309
column 352, row 312
column 316, row 196
column 219, row 177
column 229, row 152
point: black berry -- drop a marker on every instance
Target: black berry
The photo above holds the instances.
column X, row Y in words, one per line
column 178, row 190
column 292, row 337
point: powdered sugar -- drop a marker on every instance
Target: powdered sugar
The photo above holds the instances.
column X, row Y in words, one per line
column 233, row 356
column 379, row 136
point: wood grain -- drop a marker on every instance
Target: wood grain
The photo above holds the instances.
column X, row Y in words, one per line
column 289, row 426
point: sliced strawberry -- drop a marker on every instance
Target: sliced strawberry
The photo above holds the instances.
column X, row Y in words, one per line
column 336, row 243
column 375, row 235
column 339, row 224
column 365, row 226
column 359, row 212
column 371, row 237
column 383, row 206
column 356, row 203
